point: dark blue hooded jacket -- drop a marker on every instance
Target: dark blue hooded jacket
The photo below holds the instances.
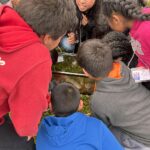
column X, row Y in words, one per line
column 75, row 132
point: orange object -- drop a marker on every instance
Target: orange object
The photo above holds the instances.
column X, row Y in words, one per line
column 116, row 71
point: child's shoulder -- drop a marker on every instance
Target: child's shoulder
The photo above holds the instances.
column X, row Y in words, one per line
column 94, row 121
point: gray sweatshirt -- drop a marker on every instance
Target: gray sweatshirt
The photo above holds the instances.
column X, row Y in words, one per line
column 125, row 105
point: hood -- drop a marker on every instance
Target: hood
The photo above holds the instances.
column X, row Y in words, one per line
column 63, row 130
column 15, row 33
column 125, row 83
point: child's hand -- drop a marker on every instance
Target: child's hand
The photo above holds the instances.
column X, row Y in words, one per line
column 71, row 38
column 29, row 138
column 85, row 20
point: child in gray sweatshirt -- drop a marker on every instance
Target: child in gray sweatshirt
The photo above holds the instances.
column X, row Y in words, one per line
column 120, row 102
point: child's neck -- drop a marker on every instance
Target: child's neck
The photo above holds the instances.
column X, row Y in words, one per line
column 129, row 23
column 115, row 73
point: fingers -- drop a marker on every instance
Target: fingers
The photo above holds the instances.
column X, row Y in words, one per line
column 71, row 38
column 84, row 20
column 71, row 34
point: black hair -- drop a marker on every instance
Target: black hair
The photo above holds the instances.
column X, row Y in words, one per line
column 65, row 99
column 101, row 25
column 53, row 17
column 120, row 46
column 141, row 2
column 128, row 8
column 95, row 57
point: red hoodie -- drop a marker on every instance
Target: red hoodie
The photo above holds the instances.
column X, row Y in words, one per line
column 25, row 73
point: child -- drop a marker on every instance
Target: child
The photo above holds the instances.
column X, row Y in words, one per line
column 121, row 46
column 86, row 11
column 70, row 129
column 25, row 63
column 118, row 100
column 123, row 14
column 92, row 23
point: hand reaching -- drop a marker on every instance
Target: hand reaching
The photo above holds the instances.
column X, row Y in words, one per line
column 71, row 38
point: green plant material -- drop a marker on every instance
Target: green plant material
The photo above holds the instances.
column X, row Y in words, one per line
column 47, row 113
column 68, row 65
column 86, row 101
column 82, row 83
column 62, row 70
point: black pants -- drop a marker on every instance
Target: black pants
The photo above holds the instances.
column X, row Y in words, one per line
column 9, row 140
column 147, row 85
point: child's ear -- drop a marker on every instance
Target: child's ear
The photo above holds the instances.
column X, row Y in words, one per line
column 50, row 107
column 80, row 105
column 46, row 39
column 115, row 19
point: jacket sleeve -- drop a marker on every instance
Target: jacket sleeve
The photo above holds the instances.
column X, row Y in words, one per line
column 29, row 99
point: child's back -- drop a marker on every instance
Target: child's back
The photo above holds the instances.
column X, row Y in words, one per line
column 123, row 104
column 71, row 130
column 76, row 131
column 120, row 102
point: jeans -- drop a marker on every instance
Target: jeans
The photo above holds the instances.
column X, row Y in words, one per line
column 127, row 142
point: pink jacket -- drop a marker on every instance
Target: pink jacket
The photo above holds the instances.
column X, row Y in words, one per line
column 140, row 40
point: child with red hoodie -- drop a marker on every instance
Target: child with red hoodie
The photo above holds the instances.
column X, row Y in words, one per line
column 25, row 64
column 123, row 14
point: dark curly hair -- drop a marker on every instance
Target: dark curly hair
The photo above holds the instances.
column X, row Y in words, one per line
column 128, row 8
column 120, row 46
